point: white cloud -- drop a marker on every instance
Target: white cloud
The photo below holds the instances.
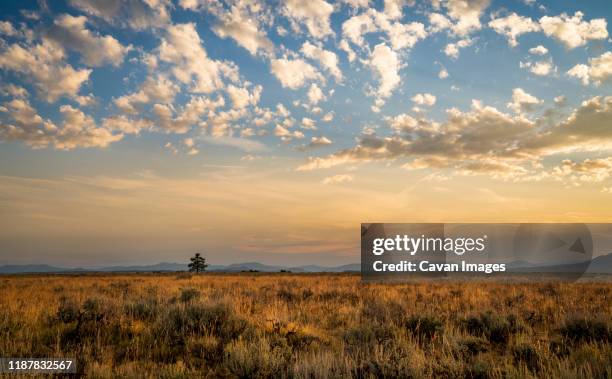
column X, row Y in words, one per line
column 541, row 68
column 538, row 50
column 154, row 89
column 136, row 14
column 127, row 125
column 315, row 142
column 424, row 99
column 241, row 97
column 78, row 130
column 315, row 95
column 7, row 29
column 328, row 117
column 466, row 14
column 182, row 47
column 393, row 8
column 487, row 141
column 44, row 66
column 313, row 13
column 438, row 22
column 385, row 64
column 452, row 49
column 70, row 33
column 344, row 46
column 327, row 59
column 245, row 30
column 523, row 102
column 443, row 74
column 598, row 71
column 286, row 135
column 308, row 124
column 293, row 73
column 572, row 31
column 513, row 26
column 400, row 35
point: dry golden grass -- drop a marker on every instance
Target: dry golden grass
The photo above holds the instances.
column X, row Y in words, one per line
column 307, row 326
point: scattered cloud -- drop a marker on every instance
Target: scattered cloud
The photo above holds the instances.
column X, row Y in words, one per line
column 598, row 71
column 572, row 31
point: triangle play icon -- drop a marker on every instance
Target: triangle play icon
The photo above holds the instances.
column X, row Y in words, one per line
column 578, row 247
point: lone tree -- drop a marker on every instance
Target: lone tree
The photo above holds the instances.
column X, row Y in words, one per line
column 198, row 264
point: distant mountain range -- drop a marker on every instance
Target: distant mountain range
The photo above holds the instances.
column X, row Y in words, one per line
column 170, row 267
column 599, row 265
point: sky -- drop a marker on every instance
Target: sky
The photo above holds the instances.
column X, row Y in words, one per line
column 142, row 131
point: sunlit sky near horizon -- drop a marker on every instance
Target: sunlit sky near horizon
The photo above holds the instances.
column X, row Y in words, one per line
column 140, row 131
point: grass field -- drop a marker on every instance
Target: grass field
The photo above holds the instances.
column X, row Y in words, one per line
column 307, row 326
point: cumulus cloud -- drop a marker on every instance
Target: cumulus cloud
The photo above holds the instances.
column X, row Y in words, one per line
column 540, row 68
column 136, row 14
column 182, row 47
column 314, row 143
column 523, row 102
column 308, row 124
column 438, row 22
column 327, row 59
column 538, row 50
column 43, row 64
column 572, row 31
column 598, row 71
column 293, row 73
column 7, row 29
column 70, row 33
column 485, row 140
column 78, row 130
column 158, row 89
column 443, row 74
column 385, row 64
column 126, row 124
column 424, row 99
column 315, row 95
column 245, row 30
column 285, row 134
column 452, row 49
column 314, row 14
column 466, row 14
column 513, row 26
column 241, row 97
column 401, row 36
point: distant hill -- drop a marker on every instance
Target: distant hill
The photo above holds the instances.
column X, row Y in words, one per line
column 599, row 265
column 171, row 267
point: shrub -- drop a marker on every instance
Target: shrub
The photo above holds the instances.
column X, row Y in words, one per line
column 424, row 327
column 527, row 354
column 68, row 311
column 496, row 329
column 189, row 294
column 473, row 345
column 579, row 330
column 142, row 309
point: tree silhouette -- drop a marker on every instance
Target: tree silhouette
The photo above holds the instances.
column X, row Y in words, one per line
column 198, row 264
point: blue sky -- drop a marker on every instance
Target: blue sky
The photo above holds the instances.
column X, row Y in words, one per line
column 513, row 93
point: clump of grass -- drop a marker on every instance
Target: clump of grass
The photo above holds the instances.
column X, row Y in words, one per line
column 584, row 330
column 425, row 327
column 527, row 354
column 473, row 345
column 495, row 328
column 189, row 294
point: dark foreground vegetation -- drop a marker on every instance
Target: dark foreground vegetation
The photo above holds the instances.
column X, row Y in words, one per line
column 307, row 326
